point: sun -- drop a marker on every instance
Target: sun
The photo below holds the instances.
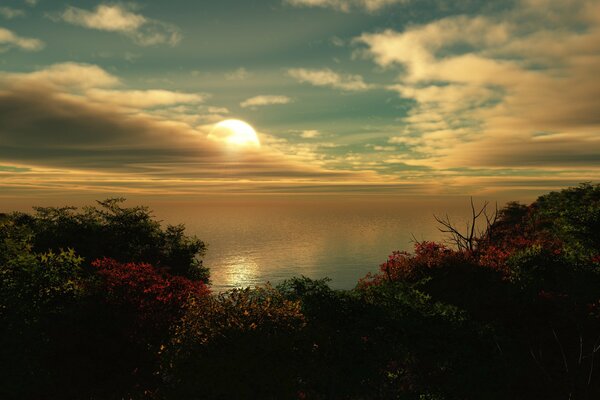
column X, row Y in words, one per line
column 235, row 133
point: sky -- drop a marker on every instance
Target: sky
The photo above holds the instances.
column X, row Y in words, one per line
column 375, row 97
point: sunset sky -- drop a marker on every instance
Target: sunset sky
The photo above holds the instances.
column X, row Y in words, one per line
column 416, row 97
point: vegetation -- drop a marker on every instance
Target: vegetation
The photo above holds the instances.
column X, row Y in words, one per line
column 111, row 230
column 104, row 303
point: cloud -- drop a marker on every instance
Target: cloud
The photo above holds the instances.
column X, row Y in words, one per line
column 382, row 148
column 218, row 110
column 518, row 89
column 9, row 39
column 99, row 86
column 112, row 18
column 68, row 76
column 346, row 5
column 337, row 41
column 31, row 3
column 144, row 98
column 310, row 134
column 65, row 134
column 554, row 151
column 10, row 13
column 237, row 75
column 121, row 19
column 265, row 100
column 327, row 77
column 416, row 48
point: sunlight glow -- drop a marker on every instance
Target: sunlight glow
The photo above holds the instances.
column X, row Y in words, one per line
column 235, row 132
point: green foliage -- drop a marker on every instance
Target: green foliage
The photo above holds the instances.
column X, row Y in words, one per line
column 538, row 268
column 38, row 294
column 126, row 234
column 389, row 340
column 573, row 215
column 31, row 285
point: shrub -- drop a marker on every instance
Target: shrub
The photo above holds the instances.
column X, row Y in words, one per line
column 111, row 230
column 154, row 298
column 239, row 344
column 40, row 296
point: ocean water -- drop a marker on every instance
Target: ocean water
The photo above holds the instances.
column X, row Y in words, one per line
column 254, row 242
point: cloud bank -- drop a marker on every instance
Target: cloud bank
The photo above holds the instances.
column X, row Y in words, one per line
column 69, row 127
column 516, row 90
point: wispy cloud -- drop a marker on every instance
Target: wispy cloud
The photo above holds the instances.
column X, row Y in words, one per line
column 346, row 5
column 327, row 77
column 218, row 110
column 237, row 75
column 10, row 13
column 310, row 134
column 122, row 19
column 9, row 39
column 265, row 100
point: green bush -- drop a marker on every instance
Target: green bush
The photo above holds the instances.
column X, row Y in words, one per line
column 126, row 234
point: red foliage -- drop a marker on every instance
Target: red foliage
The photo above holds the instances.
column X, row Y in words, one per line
column 495, row 258
column 153, row 295
column 403, row 266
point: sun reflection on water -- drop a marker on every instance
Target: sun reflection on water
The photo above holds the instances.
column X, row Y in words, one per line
column 240, row 271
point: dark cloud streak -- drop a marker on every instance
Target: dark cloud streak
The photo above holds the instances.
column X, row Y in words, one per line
column 46, row 129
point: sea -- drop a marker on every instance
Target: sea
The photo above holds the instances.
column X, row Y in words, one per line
column 252, row 242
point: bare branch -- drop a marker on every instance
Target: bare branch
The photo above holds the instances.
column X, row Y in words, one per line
column 472, row 236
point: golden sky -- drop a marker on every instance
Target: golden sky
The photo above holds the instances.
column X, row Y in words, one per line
column 372, row 97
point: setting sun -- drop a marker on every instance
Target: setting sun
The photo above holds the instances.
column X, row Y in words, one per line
column 235, row 132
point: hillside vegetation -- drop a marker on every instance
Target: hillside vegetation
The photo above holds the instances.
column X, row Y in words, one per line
column 105, row 303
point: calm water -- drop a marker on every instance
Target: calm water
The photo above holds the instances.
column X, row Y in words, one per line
column 251, row 243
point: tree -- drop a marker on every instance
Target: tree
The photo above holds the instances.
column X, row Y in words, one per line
column 469, row 240
column 126, row 234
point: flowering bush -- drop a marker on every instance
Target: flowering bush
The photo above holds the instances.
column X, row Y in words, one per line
column 406, row 267
column 154, row 296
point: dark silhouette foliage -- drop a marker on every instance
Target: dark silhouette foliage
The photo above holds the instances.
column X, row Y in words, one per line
column 106, row 304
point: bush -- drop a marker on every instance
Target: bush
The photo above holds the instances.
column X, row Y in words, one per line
column 39, row 298
column 239, row 344
column 68, row 333
column 152, row 298
column 111, row 230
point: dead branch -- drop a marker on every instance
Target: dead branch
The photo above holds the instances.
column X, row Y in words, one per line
column 468, row 241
